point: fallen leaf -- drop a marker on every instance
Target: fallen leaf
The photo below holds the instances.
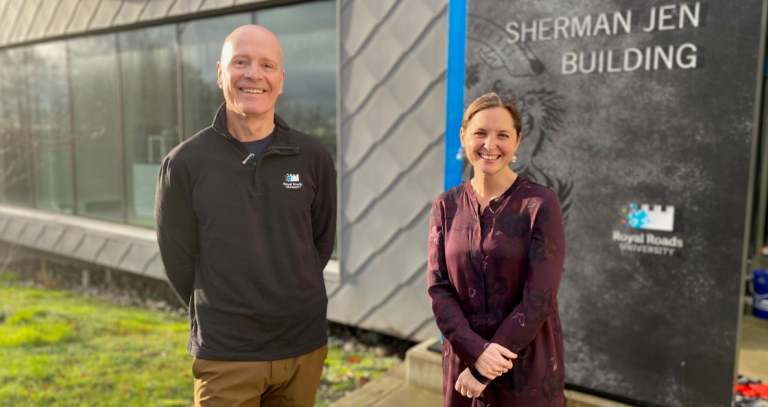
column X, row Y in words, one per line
column 354, row 359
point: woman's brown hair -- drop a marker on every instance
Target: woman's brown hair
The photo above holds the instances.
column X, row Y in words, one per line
column 490, row 100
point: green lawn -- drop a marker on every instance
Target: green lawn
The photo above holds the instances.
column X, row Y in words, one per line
column 59, row 349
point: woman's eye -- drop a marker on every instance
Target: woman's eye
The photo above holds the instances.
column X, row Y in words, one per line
column 479, row 134
column 503, row 135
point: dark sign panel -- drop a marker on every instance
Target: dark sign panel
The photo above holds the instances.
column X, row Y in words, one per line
column 640, row 115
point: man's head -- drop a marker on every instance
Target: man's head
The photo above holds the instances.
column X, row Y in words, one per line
column 251, row 71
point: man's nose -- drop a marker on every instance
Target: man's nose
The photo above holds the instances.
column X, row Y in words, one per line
column 253, row 72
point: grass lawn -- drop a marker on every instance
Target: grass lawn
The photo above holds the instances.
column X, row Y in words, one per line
column 59, row 349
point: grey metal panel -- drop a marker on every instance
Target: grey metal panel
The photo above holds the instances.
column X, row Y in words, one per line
column 214, row 4
column 137, row 258
column 396, row 316
column 69, row 243
column 12, row 232
column 42, row 20
column 82, row 16
column 61, row 18
column 156, row 9
column 113, row 252
column 185, row 7
column 12, row 10
column 155, row 268
column 90, row 248
column 105, row 14
column 397, row 153
column 392, row 120
column 358, row 20
column 130, row 12
column 4, row 222
column 30, row 235
column 26, row 15
column 49, row 239
column 383, row 274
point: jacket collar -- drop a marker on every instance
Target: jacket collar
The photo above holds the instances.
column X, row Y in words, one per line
column 282, row 131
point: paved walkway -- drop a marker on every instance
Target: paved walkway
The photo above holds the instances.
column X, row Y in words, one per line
column 753, row 355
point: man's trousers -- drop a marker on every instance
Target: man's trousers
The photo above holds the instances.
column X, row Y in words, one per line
column 277, row 383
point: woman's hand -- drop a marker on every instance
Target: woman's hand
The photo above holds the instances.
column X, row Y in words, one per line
column 494, row 361
column 467, row 385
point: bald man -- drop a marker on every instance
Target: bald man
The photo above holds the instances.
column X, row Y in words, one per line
column 246, row 221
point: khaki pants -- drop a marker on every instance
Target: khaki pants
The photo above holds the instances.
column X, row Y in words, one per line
column 278, row 383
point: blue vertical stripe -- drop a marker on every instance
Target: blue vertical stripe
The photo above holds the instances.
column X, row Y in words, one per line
column 457, row 27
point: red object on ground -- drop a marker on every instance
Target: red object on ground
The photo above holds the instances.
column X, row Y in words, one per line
column 753, row 390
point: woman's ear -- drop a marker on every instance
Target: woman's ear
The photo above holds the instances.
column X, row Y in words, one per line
column 461, row 137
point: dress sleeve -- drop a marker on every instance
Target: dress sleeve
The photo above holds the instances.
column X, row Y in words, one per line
column 546, row 256
column 177, row 227
column 450, row 318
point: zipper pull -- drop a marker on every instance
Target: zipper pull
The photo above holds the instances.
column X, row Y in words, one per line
column 248, row 158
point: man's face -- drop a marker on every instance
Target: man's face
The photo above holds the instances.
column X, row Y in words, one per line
column 251, row 71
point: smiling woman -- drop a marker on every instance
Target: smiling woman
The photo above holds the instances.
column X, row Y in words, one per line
column 496, row 254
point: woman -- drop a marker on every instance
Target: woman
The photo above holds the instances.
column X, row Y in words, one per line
column 496, row 252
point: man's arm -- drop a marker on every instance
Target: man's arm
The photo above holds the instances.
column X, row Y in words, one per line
column 323, row 210
column 177, row 227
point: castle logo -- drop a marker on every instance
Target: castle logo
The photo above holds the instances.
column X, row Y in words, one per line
column 644, row 217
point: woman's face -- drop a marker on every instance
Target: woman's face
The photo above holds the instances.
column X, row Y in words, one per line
column 490, row 140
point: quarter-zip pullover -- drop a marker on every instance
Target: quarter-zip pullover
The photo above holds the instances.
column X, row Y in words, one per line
column 247, row 245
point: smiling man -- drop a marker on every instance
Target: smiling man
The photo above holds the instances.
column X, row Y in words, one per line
column 246, row 220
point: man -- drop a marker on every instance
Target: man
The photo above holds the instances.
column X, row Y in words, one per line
column 246, row 220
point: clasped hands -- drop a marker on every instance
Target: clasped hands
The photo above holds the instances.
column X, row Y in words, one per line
column 495, row 361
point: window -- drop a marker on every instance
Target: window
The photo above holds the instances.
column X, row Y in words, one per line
column 15, row 147
column 150, row 117
column 49, row 127
column 94, row 106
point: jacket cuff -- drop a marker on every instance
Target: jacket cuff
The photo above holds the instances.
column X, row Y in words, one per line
column 479, row 377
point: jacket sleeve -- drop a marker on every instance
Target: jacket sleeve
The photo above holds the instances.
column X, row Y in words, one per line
column 177, row 227
column 546, row 256
column 449, row 315
column 323, row 210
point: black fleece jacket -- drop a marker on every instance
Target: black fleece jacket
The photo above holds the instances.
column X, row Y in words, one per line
column 246, row 243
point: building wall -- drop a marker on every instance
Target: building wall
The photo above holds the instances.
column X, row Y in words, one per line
column 392, row 90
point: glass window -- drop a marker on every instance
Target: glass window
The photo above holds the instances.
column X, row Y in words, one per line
column 15, row 146
column 148, row 73
column 94, row 106
column 307, row 34
column 49, row 127
column 201, row 43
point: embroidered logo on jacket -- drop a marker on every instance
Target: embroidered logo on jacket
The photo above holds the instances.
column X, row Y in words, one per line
column 292, row 181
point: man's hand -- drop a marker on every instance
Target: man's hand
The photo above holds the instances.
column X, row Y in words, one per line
column 494, row 361
column 467, row 385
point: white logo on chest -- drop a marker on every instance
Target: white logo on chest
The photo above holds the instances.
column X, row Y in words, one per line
column 292, row 181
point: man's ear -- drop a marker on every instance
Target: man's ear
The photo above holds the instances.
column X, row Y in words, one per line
column 218, row 74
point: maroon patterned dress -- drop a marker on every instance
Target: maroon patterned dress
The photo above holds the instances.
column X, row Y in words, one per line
column 493, row 278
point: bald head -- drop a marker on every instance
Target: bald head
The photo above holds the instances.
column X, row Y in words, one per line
column 248, row 35
column 251, row 72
